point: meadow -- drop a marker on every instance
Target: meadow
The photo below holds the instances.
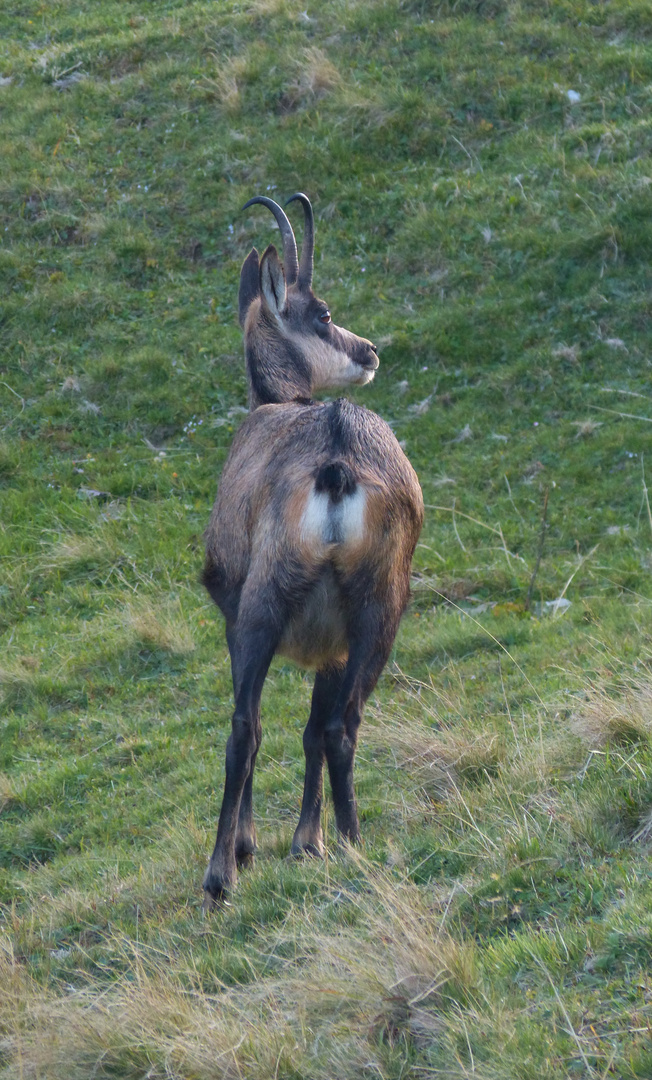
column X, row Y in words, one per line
column 480, row 173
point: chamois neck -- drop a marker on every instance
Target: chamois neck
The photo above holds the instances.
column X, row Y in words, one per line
column 276, row 371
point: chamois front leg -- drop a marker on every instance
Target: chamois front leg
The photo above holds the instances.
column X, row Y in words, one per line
column 308, row 838
column 250, row 657
column 245, row 835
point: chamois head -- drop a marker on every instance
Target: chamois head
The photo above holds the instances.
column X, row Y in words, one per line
column 292, row 346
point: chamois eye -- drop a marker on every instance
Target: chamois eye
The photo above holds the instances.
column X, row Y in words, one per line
column 325, row 317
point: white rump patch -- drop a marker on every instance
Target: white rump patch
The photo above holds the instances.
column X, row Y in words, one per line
column 334, row 523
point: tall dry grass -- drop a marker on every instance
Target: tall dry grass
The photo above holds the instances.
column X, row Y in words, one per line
column 376, row 965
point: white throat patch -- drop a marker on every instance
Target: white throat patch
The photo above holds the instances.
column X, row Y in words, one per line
column 330, row 367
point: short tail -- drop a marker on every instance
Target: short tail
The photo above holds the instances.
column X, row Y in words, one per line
column 336, row 479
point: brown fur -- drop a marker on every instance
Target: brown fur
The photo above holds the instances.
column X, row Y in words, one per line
column 255, row 525
column 308, row 551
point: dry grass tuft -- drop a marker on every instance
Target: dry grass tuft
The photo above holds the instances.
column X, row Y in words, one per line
column 226, row 83
column 19, row 673
column 643, row 835
column 567, row 352
column 267, row 9
column 438, row 759
column 159, row 626
column 586, row 427
column 618, row 720
column 151, row 1024
column 315, row 77
column 79, row 555
column 71, row 385
column 347, row 993
column 369, row 107
column 400, row 962
column 7, row 791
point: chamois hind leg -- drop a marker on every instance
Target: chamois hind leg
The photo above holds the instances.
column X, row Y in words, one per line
column 371, row 635
column 308, row 838
column 252, row 649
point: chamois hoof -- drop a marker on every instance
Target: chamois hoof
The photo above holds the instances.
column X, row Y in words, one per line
column 309, row 851
column 352, row 839
column 244, row 859
column 307, row 846
column 245, row 847
column 213, row 903
column 217, row 890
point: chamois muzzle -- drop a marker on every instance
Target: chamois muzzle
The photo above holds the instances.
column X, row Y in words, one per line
column 365, row 354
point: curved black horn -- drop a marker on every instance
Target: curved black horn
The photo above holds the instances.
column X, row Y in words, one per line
column 290, row 258
column 306, row 265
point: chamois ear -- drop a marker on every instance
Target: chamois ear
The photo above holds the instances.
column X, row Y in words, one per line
column 272, row 281
column 249, row 284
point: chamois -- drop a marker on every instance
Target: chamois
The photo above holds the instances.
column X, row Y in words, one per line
column 310, row 542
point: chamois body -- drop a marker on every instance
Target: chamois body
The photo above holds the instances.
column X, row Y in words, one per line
column 275, row 522
column 308, row 548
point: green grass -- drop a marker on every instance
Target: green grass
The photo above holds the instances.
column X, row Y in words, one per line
column 493, row 236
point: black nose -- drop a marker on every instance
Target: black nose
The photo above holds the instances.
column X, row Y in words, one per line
column 373, row 348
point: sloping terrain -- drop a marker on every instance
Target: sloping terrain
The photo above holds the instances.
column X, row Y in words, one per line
column 481, row 178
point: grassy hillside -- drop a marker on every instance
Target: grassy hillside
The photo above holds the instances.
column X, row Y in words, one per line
column 481, row 178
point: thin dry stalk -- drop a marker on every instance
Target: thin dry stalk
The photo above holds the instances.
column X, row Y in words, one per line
column 643, row 835
column 457, row 535
column 579, row 566
column 542, row 540
column 509, row 555
column 645, row 494
column 570, row 1030
column 623, row 415
column 500, row 645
